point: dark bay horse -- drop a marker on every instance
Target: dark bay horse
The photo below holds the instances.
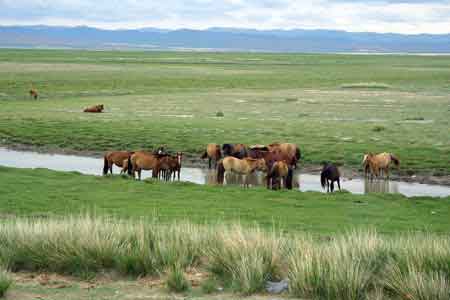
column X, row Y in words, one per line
column 115, row 158
column 212, row 153
column 330, row 173
column 234, row 150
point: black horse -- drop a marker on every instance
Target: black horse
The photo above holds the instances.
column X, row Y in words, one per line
column 330, row 173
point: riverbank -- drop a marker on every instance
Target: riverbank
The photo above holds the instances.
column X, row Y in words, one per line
column 192, row 160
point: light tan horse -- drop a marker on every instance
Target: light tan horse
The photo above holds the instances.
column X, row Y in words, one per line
column 143, row 160
column 115, row 158
column 212, row 153
column 240, row 166
column 379, row 163
column 290, row 151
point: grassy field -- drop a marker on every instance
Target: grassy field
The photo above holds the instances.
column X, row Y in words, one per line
column 44, row 193
column 336, row 107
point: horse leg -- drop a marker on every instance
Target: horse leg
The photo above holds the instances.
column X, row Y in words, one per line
column 209, row 162
column 328, row 186
column 178, row 173
column 339, row 184
column 387, row 172
column 139, row 173
column 332, row 186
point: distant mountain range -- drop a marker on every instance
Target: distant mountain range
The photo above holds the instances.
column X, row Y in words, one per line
column 222, row 39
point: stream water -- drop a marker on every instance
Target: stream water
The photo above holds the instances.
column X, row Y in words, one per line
column 302, row 181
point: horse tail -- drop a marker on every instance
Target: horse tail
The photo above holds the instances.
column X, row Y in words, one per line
column 395, row 160
column 323, row 179
column 298, row 154
column 220, row 172
column 204, row 155
column 289, row 179
column 129, row 166
column 105, row 166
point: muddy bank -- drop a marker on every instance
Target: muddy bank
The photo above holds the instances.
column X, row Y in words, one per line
column 192, row 160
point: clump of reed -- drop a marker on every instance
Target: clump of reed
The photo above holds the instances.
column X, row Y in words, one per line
column 5, row 282
column 354, row 265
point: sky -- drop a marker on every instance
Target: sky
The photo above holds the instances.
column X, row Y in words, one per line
column 401, row 16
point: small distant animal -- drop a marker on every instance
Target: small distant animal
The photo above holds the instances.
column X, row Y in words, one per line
column 94, row 109
column 379, row 164
column 212, row 153
column 330, row 173
column 280, row 174
column 236, row 150
column 240, row 166
column 115, row 158
column 33, row 93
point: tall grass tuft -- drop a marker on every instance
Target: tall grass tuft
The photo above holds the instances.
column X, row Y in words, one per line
column 356, row 265
column 5, row 282
column 343, row 269
column 176, row 280
column 247, row 259
column 417, row 285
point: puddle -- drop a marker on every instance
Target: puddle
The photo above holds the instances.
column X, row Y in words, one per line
column 302, row 181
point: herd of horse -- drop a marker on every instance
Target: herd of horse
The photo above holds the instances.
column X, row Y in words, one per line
column 277, row 160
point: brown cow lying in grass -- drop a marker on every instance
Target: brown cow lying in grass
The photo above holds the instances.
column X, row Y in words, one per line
column 94, row 109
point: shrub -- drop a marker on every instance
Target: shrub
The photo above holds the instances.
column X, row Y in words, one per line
column 5, row 282
column 378, row 128
column 176, row 280
column 220, row 114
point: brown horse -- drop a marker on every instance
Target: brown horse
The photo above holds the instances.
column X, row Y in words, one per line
column 33, row 93
column 212, row 152
column 240, row 166
column 280, row 172
column 94, row 109
column 290, row 151
column 330, row 173
column 235, row 150
column 143, row 160
column 115, row 158
column 379, row 163
column 169, row 165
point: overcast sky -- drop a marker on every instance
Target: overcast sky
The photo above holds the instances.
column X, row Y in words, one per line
column 402, row 16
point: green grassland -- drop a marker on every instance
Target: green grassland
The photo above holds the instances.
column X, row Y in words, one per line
column 48, row 193
column 336, row 107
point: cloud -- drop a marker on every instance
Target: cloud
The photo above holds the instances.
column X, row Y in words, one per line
column 403, row 16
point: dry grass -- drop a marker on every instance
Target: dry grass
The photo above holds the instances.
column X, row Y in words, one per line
column 356, row 265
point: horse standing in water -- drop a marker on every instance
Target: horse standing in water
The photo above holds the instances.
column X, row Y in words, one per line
column 330, row 173
column 142, row 160
column 280, row 172
column 290, row 151
column 379, row 164
column 240, row 166
column 212, row 153
column 115, row 158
